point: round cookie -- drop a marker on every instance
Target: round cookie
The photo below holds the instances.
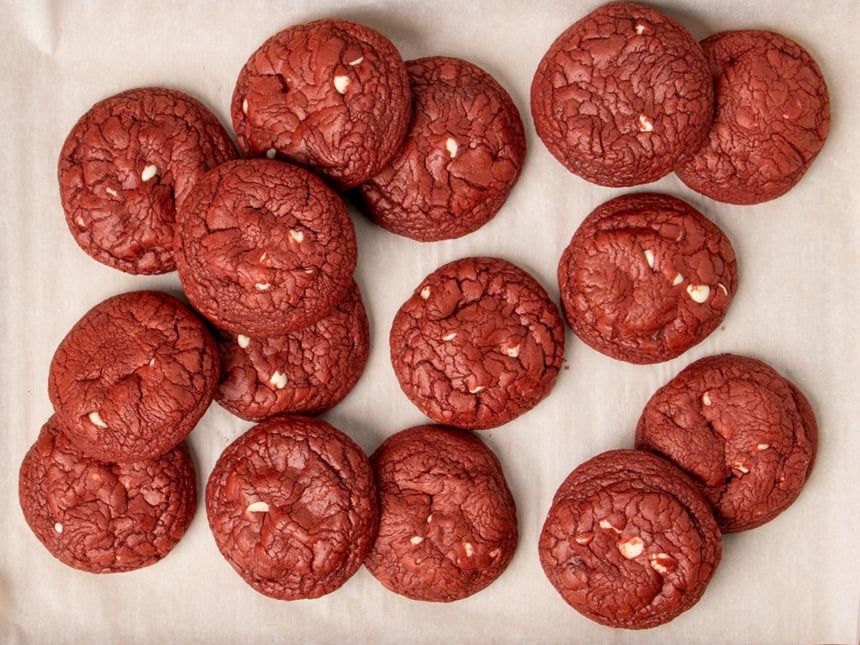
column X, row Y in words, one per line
column 742, row 431
column 477, row 344
column 622, row 95
column 448, row 522
column 331, row 95
column 645, row 277
column 127, row 165
column 772, row 118
column 629, row 541
column 133, row 376
column 105, row 518
column 463, row 153
column 264, row 247
column 303, row 372
column 292, row 507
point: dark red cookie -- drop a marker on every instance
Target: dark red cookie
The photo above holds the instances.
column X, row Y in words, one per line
column 292, row 507
column 742, row 431
column 127, row 165
column 772, row 118
column 303, row 372
column 645, row 277
column 622, row 95
column 105, row 518
column 264, row 247
column 463, row 153
column 478, row 344
column 133, row 376
column 629, row 541
column 448, row 522
column 331, row 95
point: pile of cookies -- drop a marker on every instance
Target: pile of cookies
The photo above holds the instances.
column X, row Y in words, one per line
column 275, row 328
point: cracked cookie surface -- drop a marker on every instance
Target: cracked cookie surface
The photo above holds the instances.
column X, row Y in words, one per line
column 126, row 167
column 744, row 433
column 292, row 507
column 622, row 95
column 629, row 541
column 133, row 376
column 461, row 157
column 331, row 95
column 448, row 522
column 772, row 118
column 264, row 247
column 477, row 344
column 100, row 517
column 645, row 277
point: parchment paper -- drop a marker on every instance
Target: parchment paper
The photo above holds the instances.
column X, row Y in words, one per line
column 794, row 580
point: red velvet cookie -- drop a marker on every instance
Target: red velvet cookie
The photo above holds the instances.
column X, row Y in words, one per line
column 127, row 165
column 264, row 247
column 463, row 153
column 303, row 372
column 331, row 95
column 772, row 118
column 448, row 522
column 133, row 376
column 478, row 344
column 105, row 518
column 292, row 507
column 622, row 95
column 744, row 433
column 629, row 541
column 645, row 277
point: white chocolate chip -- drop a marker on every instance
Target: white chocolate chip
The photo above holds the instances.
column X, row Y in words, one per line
column 262, row 286
column 606, row 524
column 494, row 553
column 416, row 540
column 699, row 292
column 631, row 547
column 451, row 147
column 723, row 288
column 740, row 467
column 96, row 419
column 297, row 236
column 79, row 220
column 357, row 61
column 271, row 153
column 645, row 124
column 58, row 527
column 677, row 280
column 243, row 341
column 341, row 83
column 245, row 106
column 640, row 29
column 110, row 191
column 450, row 336
column 469, row 549
column 706, row 399
column 278, row 379
column 649, row 257
column 477, row 388
column 662, row 563
column 512, row 350
column 584, row 539
column 762, row 446
column 257, row 507
column 152, row 362
column 149, row 172
column 424, row 293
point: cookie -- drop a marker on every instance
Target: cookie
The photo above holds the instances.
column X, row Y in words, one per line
column 303, row 372
column 629, row 541
column 105, row 518
column 477, row 344
column 645, row 277
column 127, row 165
column 744, row 433
column 622, row 95
column 133, row 376
column 331, row 95
column 264, row 247
column 448, row 522
column 463, row 153
column 292, row 507
column 771, row 121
